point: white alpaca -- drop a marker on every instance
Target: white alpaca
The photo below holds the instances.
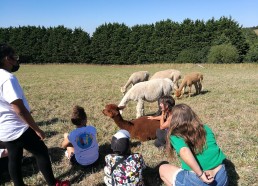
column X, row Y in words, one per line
column 172, row 74
column 149, row 91
column 135, row 78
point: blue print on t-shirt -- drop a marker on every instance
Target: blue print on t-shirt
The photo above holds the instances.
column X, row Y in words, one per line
column 84, row 140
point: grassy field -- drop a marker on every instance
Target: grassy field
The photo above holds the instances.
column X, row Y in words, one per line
column 229, row 105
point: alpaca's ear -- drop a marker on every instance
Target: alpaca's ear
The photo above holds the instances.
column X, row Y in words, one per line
column 121, row 107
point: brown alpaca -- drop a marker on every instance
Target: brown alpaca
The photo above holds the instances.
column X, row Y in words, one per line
column 190, row 79
column 141, row 128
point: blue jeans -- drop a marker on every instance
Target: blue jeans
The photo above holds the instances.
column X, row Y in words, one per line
column 188, row 178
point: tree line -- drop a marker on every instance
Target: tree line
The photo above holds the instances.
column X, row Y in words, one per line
column 213, row 41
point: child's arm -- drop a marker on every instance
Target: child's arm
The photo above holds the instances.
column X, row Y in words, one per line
column 154, row 117
column 189, row 159
column 165, row 124
column 66, row 141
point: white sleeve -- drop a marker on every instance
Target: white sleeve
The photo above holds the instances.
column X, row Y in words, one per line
column 12, row 90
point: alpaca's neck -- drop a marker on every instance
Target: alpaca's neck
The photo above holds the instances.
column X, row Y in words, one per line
column 124, row 101
column 121, row 123
column 127, row 83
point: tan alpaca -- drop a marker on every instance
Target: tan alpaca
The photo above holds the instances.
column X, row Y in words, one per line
column 190, row 79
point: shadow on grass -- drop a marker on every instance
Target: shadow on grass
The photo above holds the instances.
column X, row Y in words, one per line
column 50, row 122
column 194, row 94
column 29, row 167
column 151, row 175
column 233, row 177
column 50, row 134
column 77, row 173
column 56, row 154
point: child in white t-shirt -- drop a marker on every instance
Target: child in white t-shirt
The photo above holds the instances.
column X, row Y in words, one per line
column 81, row 143
column 123, row 167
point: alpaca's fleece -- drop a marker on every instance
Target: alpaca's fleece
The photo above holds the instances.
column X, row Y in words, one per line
column 172, row 74
column 135, row 78
column 149, row 91
column 141, row 128
column 194, row 78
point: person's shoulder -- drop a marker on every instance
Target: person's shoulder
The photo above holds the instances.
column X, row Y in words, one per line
column 91, row 128
column 5, row 75
column 207, row 128
column 174, row 137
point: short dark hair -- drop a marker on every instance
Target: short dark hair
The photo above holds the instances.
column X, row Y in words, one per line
column 78, row 115
column 5, row 50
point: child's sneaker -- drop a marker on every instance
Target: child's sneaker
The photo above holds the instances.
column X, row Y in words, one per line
column 62, row 183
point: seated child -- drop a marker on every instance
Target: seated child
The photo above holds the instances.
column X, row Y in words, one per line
column 81, row 143
column 166, row 103
column 123, row 167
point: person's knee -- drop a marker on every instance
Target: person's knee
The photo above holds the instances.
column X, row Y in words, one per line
column 65, row 135
column 159, row 133
column 163, row 168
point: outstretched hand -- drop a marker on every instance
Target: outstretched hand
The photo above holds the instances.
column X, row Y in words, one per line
column 150, row 117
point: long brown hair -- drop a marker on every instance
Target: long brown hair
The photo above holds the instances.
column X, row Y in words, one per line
column 187, row 125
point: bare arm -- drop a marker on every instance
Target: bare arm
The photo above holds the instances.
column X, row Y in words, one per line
column 189, row 159
column 66, row 142
column 165, row 124
column 154, row 117
column 25, row 115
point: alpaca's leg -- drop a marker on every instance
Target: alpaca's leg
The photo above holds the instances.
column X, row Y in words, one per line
column 182, row 92
column 140, row 108
column 196, row 87
column 200, row 87
column 190, row 90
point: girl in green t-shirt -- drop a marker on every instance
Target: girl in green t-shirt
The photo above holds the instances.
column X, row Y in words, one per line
column 201, row 158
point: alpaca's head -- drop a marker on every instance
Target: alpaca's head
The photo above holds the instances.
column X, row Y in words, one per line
column 112, row 110
column 177, row 93
column 123, row 90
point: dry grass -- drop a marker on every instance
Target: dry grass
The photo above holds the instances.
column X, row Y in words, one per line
column 229, row 105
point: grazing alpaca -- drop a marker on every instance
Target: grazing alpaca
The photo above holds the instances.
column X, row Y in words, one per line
column 190, row 79
column 141, row 128
column 136, row 77
column 149, row 91
column 172, row 74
